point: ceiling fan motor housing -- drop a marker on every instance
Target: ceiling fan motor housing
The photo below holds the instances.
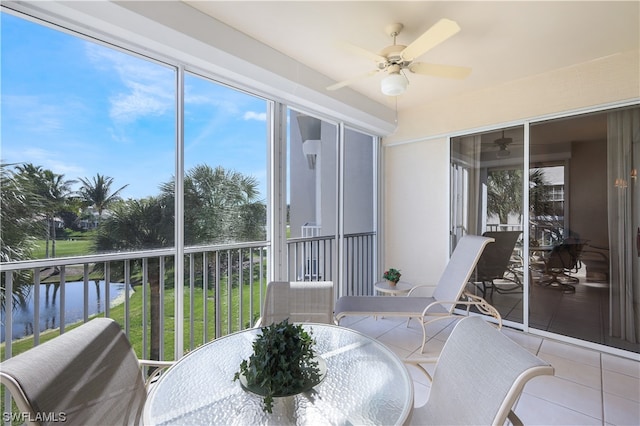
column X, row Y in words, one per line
column 394, row 57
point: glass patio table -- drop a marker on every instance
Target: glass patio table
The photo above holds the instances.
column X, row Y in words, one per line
column 365, row 383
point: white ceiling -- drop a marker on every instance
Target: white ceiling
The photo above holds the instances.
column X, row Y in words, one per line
column 501, row 41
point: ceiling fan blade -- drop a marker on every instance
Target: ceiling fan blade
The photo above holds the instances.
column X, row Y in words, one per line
column 436, row 70
column 357, row 50
column 344, row 83
column 439, row 32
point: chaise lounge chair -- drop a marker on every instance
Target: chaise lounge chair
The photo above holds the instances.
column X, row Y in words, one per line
column 448, row 293
column 493, row 271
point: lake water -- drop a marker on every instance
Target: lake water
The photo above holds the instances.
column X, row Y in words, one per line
column 50, row 306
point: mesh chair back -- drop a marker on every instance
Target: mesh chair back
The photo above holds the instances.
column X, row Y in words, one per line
column 459, row 269
column 496, row 257
column 566, row 256
column 300, row 301
column 89, row 375
column 479, row 376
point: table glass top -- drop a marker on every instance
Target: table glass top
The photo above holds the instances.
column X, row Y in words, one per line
column 365, row 384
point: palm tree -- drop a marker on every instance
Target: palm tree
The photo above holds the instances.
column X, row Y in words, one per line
column 141, row 225
column 57, row 197
column 543, row 212
column 221, row 206
column 98, row 193
column 18, row 231
column 52, row 192
column 504, row 193
column 504, row 197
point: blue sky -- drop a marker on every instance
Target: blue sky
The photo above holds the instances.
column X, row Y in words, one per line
column 79, row 108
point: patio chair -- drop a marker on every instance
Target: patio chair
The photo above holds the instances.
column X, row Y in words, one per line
column 479, row 376
column 299, row 301
column 449, row 293
column 561, row 262
column 89, row 375
column 494, row 266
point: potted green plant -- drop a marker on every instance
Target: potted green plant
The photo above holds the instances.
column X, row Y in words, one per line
column 283, row 363
column 392, row 275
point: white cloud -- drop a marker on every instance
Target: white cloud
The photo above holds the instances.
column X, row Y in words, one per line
column 148, row 88
column 258, row 116
column 50, row 159
column 33, row 113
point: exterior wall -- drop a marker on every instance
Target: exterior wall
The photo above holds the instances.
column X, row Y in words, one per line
column 302, row 196
column 416, row 208
column 358, row 188
column 315, row 202
column 328, row 167
column 417, row 154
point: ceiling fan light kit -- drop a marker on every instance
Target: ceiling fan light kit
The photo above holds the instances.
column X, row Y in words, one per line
column 395, row 58
column 503, row 143
column 394, row 84
column 503, row 152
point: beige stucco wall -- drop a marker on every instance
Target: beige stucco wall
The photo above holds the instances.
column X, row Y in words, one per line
column 416, row 201
column 416, row 164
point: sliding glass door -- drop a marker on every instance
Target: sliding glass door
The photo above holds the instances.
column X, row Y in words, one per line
column 575, row 223
column 487, row 199
column 583, row 227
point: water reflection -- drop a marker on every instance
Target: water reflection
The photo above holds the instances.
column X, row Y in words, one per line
column 23, row 321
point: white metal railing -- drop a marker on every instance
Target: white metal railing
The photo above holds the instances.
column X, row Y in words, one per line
column 307, row 230
column 235, row 272
column 501, row 227
column 223, row 289
column 315, row 259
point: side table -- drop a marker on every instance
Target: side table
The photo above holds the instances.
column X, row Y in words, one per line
column 400, row 289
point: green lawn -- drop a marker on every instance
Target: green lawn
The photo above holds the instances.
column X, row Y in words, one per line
column 136, row 320
column 64, row 248
column 77, row 246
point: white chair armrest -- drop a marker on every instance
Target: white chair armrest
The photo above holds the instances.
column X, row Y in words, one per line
column 482, row 305
column 159, row 366
column 416, row 362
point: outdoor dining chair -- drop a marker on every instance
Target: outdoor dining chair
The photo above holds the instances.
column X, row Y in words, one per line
column 478, row 377
column 87, row 376
column 561, row 263
column 299, row 301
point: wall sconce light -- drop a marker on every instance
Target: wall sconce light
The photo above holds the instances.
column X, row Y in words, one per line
column 634, row 174
column 620, row 183
column 310, row 131
column 311, row 149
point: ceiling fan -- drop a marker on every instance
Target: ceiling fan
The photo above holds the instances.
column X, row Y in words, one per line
column 397, row 58
column 503, row 144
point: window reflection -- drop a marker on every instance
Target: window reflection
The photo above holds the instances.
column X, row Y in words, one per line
column 583, row 223
column 579, row 211
column 487, row 199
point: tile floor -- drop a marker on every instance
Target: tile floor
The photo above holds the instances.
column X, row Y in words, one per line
column 588, row 388
column 583, row 314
